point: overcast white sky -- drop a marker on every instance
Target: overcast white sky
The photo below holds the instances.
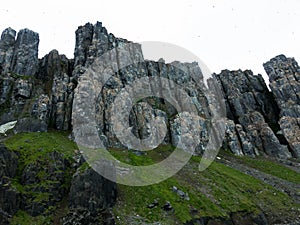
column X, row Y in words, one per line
column 224, row 34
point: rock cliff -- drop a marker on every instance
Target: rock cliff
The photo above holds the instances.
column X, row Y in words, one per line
column 284, row 76
column 41, row 91
column 39, row 94
column 252, row 115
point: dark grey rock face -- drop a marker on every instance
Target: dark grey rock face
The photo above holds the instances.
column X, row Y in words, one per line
column 90, row 198
column 18, row 66
column 284, row 76
column 42, row 91
column 37, row 89
column 91, row 191
column 94, row 41
column 55, row 72
column 50, row 185
column 8, row 162
column 25, row 58
column 84, row 36
column 30, row 125
column 39, row 93
column 255, row 113
column 7, row 49
column 9, row 203
column 156, row 108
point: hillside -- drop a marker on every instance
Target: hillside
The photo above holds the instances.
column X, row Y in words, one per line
column 58, row 116
column 233, row 190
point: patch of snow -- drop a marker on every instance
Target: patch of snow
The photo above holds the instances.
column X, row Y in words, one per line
column 7, row 126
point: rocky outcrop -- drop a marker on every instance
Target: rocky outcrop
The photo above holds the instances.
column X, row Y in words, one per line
column 284, row 76
column 252, row 114
column 39, row 93
column 19, row 56
column 91, row 191
column 25, row 57
column 18, row 66
column 9, row 203
column 127, row 63
column 38, row 90
column 38, row 179
column 42, row 91
column 90, row 198
column 7, row 50
column 44, row 183
column 55, row 71
column 93, row 41
column 158, row 108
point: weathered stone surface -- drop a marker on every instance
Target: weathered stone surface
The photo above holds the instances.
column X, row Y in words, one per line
column 17, row 97
column 25, row 58
column 8, row 195
column 53, row 64
column 39, row 94
column 262, row 136
column 22, row 88
column 6, row 84
column 158, row 72
column 55, row 71
column 253, row 109
column 45, row 183
column 91, row 191
column 128, row 66
column 291, row 130
column 8, row 162
column 284, row 76
column 18, row 64
column 84, row 36
column 29, row 124
column 246, row 92
column 6, row 49
column 237, row 140
column 57, row 77
column 84, row 217
column 191, row 130
column 41, row 109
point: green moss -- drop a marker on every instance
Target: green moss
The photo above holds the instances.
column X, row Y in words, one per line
column 41, row 197
column 271, row 167
column 5, row 106
column 146, row 158
column 16, row 185
column 236, row 191
column 162, row 192
column 84, row 167
column 32, row 147
column 216, row 192
column 23, row 77
column 22, row 218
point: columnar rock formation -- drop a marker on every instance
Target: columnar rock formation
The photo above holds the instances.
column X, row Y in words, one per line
column 252, row 115
column 39, row 94
column 284, row 75
column 37, row 90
